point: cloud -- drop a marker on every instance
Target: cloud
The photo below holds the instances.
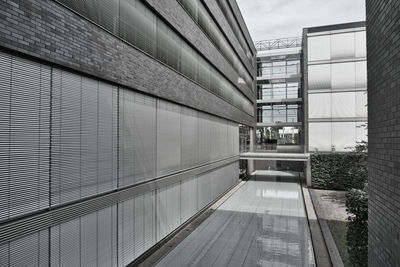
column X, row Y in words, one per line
column 270, row 19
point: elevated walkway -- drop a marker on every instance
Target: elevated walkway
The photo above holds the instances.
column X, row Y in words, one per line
column 263, row 223
column 305, row 157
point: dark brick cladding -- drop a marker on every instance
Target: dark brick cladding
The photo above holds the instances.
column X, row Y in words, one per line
column 180, row 20
column 383, row 42
column 48, row 31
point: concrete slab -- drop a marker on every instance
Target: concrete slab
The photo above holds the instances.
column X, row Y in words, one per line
column 263, row 223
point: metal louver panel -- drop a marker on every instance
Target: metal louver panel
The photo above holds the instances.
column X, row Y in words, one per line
column 88, row 240
column 84, row 137
column 188, row 198
column 126, row 232
column 173, row 207
column 189, row 138
column 161, row 213
column 139, row 225
column 204, row 138
column 204, row 190
column 66, row 137
column 89, row 137
column 149, row 219
column 24, row 136
column 106, row 237
column 107, row 132
column 145, row 136
column 30, row 250
column 168, row 138
column 70, row 246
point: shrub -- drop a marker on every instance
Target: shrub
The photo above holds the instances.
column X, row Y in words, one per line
column 357, row 233
column 339, row 171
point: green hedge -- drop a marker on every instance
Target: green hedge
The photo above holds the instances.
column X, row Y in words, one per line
column 357, row 231
column 339, row 171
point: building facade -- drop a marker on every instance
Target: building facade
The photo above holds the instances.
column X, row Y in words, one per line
column 335, row 86
column 279, row 95
column 383, row 44
column 119, row 122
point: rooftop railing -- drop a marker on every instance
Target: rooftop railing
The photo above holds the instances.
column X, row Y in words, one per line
column 283, row 43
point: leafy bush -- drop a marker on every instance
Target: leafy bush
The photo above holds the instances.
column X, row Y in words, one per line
column 339, row 171
column 357, row 233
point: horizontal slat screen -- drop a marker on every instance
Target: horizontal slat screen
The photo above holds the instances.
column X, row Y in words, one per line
column 65, row 137
column 24, row 136
column 128, row 227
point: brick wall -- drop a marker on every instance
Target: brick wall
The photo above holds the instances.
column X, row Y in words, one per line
column 383, row 44
column 46, row 30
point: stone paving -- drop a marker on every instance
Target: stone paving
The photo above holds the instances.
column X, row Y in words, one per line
column 262, row 224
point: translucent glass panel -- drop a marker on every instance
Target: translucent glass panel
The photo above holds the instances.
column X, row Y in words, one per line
column 361, row 74
column 342, row 46
column 320, row 105
column 168, row 138
column 320, row 136
column 336, row 136
column 24, row 154
column 361, row 44
column 343, row 135
column 319, row 48
column 137, row 137
column 343, row 105
column 337, row 46
column 343, row 76
column 84, row 134
column 319, row 76
column 361, row 104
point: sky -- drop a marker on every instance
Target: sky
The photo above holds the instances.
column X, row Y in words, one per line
column 272, row 19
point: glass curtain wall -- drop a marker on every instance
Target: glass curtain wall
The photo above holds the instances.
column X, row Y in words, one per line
column 275, row 69
column 279, row 113
column 278, row 91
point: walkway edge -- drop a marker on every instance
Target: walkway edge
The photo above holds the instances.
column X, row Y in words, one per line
column 162, row 248
column 334, row 254
column 321, row 253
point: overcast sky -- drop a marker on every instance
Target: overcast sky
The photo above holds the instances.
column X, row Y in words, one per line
column 271, row 19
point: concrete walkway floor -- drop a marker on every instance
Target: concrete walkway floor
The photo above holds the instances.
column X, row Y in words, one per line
column 262, row 224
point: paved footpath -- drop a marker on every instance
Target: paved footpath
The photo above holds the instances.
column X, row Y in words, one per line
column 262, row 224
